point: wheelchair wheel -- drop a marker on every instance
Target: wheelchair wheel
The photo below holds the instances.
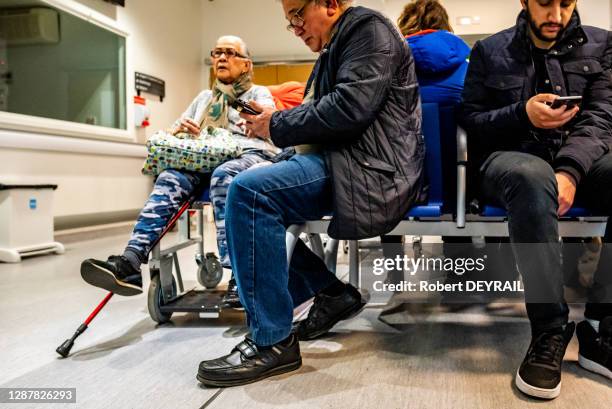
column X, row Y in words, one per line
column 155, row 300
column 210, row 271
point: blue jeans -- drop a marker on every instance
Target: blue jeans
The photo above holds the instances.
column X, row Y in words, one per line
column 261, row 204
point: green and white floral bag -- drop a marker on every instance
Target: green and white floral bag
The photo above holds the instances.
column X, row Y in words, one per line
column 182, row 151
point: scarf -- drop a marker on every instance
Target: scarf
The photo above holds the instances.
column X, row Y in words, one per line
column 223, row 96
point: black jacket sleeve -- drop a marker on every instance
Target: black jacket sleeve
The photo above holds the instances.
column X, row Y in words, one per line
column 362, row 83
column 475, row 113
column 591, row 135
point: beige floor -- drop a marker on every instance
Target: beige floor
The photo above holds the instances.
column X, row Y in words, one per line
column 124, row 360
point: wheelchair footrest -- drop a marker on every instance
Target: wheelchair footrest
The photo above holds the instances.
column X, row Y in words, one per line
column 198, row 301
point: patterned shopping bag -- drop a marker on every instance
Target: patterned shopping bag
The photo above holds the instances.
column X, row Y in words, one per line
column 182, row 151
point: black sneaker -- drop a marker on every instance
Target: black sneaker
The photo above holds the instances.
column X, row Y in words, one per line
column 595, row 353
column 327, row 311
column 115, row 274
column 540, row 373
column 231, row 299
column 249, row 363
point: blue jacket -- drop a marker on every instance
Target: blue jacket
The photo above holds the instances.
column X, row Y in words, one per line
column 441, row 64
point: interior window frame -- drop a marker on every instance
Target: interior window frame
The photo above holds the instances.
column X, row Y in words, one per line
column 49, row 126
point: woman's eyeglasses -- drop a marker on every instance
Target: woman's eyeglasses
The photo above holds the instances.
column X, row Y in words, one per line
column 229, row 53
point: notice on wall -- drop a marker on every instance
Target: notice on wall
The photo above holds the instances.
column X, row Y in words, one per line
column 151, row 85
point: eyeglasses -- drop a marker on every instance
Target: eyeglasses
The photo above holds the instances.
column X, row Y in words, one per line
column 229, row 53
column 297, row 21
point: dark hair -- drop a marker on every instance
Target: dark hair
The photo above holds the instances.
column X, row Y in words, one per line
column 421, row 15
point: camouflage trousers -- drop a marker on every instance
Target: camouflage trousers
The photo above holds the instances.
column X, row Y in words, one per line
column 172, row 189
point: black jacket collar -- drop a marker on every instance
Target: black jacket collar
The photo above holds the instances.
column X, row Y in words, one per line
column 573, row 36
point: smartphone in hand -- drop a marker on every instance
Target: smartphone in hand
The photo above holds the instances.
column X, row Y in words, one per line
column 569, row 102
column 243, row 106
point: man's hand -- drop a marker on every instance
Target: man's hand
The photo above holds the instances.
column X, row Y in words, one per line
column 544, row 117
column 258, row 126
column 567, row 191
column 188, row 126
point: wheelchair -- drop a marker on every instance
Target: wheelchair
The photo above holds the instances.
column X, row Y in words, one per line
column 167, row 295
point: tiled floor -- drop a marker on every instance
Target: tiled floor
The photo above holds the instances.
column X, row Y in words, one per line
column 428, row 360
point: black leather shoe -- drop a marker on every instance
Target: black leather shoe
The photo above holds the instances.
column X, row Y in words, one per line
column 249, row 363
column 327, row 311
column 231, row 299
column 115, row 274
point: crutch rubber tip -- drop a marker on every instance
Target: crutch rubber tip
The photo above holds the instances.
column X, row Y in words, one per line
column 65, row 348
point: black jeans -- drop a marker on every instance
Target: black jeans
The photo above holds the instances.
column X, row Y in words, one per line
column 526, row 187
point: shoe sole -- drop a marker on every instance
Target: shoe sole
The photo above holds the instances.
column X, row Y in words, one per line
column 542, row 393
column 237, row 382
column 594, row 367
column 347, row 314
column 100, row 277
column 231, row 305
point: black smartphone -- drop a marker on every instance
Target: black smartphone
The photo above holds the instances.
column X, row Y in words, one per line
column 243, row 106
column 569, row 102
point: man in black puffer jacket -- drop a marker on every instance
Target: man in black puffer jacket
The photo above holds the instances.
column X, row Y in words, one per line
column 359, row 158
column 532, row 159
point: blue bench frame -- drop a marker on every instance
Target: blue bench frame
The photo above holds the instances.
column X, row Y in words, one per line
column 445, row 212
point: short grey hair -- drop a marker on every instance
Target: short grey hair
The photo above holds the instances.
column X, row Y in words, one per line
column 243, row 45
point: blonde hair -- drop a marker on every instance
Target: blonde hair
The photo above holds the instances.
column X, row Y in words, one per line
column 421, row 15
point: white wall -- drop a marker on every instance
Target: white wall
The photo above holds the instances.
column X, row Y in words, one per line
column 89, row 184
column 495, row 15
column 169, row 39
column 166, row 44
column 261, row 23
column 165, row 41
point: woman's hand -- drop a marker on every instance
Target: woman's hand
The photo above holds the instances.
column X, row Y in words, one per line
column 187, row 125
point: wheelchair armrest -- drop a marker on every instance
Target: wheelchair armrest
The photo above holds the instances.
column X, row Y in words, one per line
column 462, row 157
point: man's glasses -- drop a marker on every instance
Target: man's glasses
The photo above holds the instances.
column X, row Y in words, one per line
column 297, row 21
column 229, row 53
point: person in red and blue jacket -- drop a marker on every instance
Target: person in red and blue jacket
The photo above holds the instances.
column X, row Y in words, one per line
column 441, row 57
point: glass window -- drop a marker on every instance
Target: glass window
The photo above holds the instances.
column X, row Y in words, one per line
column 56, row 65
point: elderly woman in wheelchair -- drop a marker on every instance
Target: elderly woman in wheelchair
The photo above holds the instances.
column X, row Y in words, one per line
column 232, row 67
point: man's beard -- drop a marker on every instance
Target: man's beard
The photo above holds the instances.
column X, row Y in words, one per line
column 537, row 31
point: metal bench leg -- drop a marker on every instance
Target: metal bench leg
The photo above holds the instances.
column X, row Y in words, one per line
column 316, row 245
column 291, row 238
column 331, row 254
column 354, row 275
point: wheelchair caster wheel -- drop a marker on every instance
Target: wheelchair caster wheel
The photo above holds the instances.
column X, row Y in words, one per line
column 155, row 300
column 210, row 271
